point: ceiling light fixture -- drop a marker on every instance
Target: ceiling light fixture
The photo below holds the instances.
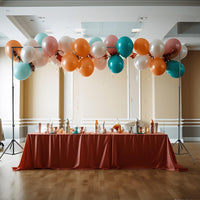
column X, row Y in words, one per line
column 49, row 31
column 142, row 19
column 136, row 30
column 79, row 30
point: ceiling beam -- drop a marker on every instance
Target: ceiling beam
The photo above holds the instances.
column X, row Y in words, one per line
column 50, row 3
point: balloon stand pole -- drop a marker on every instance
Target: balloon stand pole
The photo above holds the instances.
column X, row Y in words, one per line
column 13, row 141
column 181, row 145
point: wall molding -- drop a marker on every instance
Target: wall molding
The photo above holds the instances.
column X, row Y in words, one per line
column 109, row 122
column 184, row 122
column 191, row 139
column 28, row 121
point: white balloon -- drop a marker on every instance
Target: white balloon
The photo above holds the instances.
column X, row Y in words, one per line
column 31, row 42
column 141, row 62
column 40, row 59
column 27, row 54
column 65, row 44
column 98, row 49
column 157, row 48
column 183, row 53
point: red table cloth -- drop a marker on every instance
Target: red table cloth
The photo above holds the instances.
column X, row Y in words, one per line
column 98, row 151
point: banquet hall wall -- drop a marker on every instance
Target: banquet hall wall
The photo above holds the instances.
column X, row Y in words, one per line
column 191, row 97
column 46, row 96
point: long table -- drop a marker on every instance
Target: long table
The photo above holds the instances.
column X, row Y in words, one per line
column 98, row 151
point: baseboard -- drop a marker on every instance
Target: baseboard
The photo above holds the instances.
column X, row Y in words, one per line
column 191, row 139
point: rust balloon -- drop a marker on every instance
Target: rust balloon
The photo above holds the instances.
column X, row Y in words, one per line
column 16, row 51
column 157, row 66
column 86, row 67
column 69, row 62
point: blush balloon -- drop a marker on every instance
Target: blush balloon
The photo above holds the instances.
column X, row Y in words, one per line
column 172, row 45
column 100, row 63
column 40, row 59
column 50, row 45
column 110, row 43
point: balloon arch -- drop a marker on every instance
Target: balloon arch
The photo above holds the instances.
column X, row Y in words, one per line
column 82, row 55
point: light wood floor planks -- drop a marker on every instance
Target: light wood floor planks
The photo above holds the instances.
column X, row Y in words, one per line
column 101, row 184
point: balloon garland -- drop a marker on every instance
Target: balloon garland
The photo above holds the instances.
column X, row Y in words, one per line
column 83, row 56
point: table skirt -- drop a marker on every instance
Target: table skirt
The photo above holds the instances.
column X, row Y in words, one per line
column 98, row 151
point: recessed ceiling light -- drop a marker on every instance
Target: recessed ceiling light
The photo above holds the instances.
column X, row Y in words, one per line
column 136, row 30
column 142, row 19
column 79, row 30
column 49, row 31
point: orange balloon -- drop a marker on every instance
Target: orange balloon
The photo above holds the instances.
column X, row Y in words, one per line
column 86, row 66
column 81, row 47
column 69, row 62
column 158, row 66
column 141, row 46
column 16, row 51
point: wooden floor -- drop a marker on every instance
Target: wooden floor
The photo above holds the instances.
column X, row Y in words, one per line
column 101, row 184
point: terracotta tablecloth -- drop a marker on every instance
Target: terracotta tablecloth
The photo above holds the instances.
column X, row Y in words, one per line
column 98, row 151
column 144, row 151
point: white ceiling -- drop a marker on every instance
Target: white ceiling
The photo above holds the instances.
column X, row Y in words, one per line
column 20, row 20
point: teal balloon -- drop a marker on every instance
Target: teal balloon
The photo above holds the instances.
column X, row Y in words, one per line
column 95, row 39
column 22, row 71
column 124, row 46
column 115, row 64
column 38, row 38
column 173, row 69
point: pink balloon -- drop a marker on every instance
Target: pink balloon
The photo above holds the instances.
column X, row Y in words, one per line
column 110, row 43
column 50, row 45
column 55, row 60
column 172, row 45
column 100, row 63
column 40, row 59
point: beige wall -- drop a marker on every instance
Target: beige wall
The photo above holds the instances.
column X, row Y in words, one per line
column 191, row 85
column 41, row 94
column 159, row 96
column 146, row 96
column 166, row 97
column 103, row 95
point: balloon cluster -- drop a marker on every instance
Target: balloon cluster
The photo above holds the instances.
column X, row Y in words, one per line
column 83, row 56
column 158, row 56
